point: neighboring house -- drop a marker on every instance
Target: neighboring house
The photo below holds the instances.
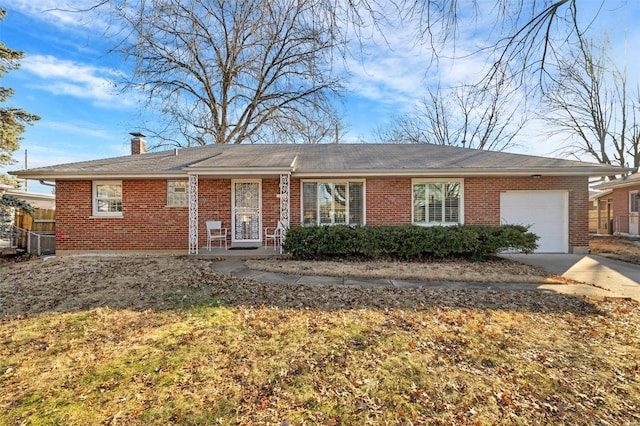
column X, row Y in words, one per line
column 36, row 200
column 43, row 213
column 621, row 198
column 160, row 201
column 601, row 212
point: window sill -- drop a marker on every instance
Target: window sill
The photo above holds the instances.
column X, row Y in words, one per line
column 106, row 217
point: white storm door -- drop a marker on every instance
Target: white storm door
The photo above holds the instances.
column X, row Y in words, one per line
column 633, row 213
column 246, row 218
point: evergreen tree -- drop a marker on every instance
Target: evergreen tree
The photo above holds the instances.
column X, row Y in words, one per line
column 12, row 120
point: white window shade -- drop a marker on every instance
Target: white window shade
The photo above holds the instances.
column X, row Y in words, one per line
column 437, row 203
column 333, row 203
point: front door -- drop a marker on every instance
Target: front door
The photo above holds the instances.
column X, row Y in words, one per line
column 246, row 218
column 634, row 227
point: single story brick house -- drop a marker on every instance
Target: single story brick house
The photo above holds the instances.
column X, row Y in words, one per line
column 160, row 201
column 619, row 202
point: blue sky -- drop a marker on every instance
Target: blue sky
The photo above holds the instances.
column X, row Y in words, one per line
column 66, row 73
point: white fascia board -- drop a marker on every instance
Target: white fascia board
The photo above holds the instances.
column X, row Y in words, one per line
column 254, row 171
column 600, row 194
column 262, row 171
column 453, row 173
column 31, row 195
column 93, row 176
column 619, row 185
column 630, row 181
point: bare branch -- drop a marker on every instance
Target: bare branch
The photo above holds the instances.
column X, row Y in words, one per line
column 228, row 72
column 465, row 116
column 589, row 103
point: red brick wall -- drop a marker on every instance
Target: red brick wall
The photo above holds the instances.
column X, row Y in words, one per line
column 620, row 207
column 147, row 224
column 388, row 201
column 270, row 202
column 294, row 200
column 482, row 200
column 214, row 203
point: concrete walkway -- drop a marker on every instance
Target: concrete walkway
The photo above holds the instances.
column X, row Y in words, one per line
column 619, row 278
column 237, row 266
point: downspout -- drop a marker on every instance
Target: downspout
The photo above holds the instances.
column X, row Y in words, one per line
column 43, row 182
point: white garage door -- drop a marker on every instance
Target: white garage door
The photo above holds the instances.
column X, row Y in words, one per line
column 546, row 211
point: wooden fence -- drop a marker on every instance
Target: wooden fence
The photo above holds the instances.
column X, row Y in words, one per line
column 41, row 220
column 42, row 226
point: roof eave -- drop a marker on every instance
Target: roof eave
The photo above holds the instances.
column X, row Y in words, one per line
column 237, row 171
column 95, row 175
column 263, row 171
column 462, row 172
column 600, row 194
column 614, row 185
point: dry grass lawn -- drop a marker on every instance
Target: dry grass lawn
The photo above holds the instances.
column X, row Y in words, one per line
column 168, row 340
column 626, row 249
column 496, row 270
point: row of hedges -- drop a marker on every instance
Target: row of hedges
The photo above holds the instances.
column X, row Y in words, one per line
column 407, row 242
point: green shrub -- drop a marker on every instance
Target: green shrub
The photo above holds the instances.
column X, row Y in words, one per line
column 407, row 242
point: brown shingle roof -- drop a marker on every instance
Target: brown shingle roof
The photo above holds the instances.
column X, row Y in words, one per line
column 627, row 180
column 364, row 159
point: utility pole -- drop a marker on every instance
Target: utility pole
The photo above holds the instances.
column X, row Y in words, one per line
column 26, row 182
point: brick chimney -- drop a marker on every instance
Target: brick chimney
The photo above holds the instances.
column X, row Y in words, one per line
column 138, row 144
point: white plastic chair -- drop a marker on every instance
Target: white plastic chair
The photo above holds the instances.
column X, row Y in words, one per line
column 215, row 231
column 274, row 234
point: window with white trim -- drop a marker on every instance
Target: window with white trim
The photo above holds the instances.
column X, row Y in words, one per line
column 107, row 198
column 333, row 203
column 634, row 197
column 437, row 202
column 177, row 194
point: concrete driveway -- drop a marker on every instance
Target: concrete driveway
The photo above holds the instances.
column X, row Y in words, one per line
column 620, row 278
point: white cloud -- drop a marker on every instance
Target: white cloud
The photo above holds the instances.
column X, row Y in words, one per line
column 64, row 15
column 69, row 78
column 395, row 67
column 390, row 70
column 82, row 129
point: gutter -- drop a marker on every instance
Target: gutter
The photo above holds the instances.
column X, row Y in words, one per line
column 257, row 171
column 457, row 172
column 91, row 176
column 240, row 171
column 618, row 183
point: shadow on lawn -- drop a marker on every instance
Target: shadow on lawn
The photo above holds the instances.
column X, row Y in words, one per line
column 161, row 284
column 331, row 298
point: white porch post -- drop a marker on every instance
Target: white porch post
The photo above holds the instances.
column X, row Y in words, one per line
column 193, row 214
column 285, row 205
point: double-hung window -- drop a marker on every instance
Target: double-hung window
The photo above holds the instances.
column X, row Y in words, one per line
column 177, row 194
column 333, row 203
column 437, row 202
column 107, row 198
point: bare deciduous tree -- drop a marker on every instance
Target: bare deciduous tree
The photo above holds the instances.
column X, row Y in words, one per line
column 592, row 105
column 228, row 72
column 464, row 116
